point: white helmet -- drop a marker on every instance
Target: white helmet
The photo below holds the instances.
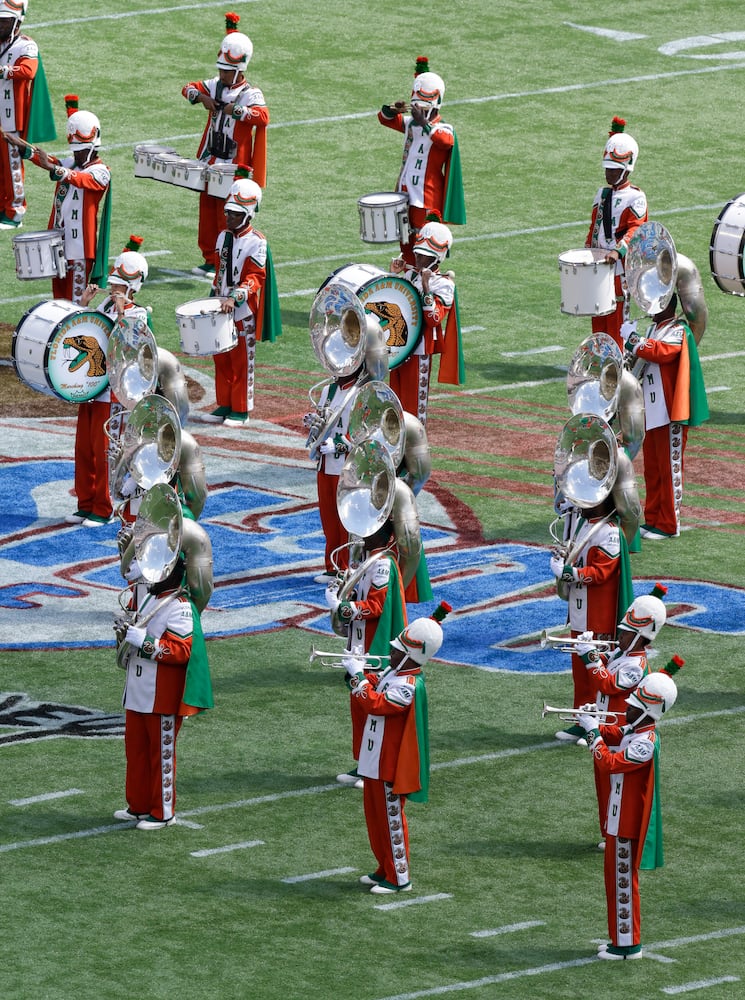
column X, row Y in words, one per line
column 654, row 695
column 244, row 196
column 16, row 9
column 434, row 239
column 621, row 152
column 646, row 615
column 83, row 130
column 420, row 640
column 428, row 91
column 235, row 52
column 130, row 269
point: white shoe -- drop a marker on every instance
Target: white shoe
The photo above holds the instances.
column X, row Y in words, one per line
column 371, row 879
column 127, row 814
column 151, row 823
column 385, row 889
column 325, row 578
column 349, row 779
column 656, row 536
column 611, row 956
column 204, row 270
column 211, row 418
column 95, row 522
column 235, row 422
column 77, row 518
column 601, row 847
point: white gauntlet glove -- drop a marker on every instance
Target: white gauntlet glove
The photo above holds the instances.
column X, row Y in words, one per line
column 135, row 636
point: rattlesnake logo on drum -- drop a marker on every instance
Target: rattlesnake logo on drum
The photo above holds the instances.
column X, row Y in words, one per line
column 389, row 313
column 90, row 352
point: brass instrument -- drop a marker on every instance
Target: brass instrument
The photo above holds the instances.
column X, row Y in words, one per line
column 570, row 714
column 335, row 658
column 566, row 644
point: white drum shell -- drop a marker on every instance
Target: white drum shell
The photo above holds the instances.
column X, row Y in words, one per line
column 179, row 171
column 144, row 155
column 205, row 330
column 587, row 282
column 220, row 178
column 727, row 244
column 45, row 363
column 384, row 217
column 39, row 255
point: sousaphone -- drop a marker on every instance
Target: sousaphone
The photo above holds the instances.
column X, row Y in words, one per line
column 651, row 267
column 150, row 445
column 132, row 361
column 376, row 414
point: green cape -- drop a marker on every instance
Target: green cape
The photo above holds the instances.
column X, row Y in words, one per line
column 40, row 117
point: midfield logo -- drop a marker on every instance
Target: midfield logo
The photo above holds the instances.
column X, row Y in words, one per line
column 43, row 720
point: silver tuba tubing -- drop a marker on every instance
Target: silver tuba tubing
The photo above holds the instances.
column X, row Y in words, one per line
column 192, row 475
column 407, row 531
column 417, row 456
column 626, row 497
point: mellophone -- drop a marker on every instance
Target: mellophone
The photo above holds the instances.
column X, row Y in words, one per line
column 163, row 163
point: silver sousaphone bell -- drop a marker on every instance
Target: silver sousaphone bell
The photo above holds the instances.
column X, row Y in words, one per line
column 651, row 267
column 132, row 361
column 150, row 445
column 366, row 489
column 377, row 415
column 594, row 376
column 586, row 460
column 338, row 325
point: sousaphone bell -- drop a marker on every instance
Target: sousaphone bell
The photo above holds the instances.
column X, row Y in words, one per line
column 132, row 362
column 150, row 445
column 376, row 414
column 651, row 267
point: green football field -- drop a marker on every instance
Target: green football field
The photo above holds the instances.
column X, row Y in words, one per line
column 254, row 893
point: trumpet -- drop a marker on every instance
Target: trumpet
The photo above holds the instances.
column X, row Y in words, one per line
column 566, row 644
column 334, row 659
column 570, row 714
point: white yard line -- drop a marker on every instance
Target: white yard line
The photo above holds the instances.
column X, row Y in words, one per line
column 46, row 797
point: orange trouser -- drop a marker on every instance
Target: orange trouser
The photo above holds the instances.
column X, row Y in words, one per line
column 150, row 746
column 387, row 830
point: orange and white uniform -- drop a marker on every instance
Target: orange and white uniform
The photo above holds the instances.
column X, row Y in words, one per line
column 153, row 692
column 410, row 380
column 388, row 757
column 19, row 62
column 625, row 780
column 616, row 215
column 367, row 606
column 241, row 275
column 593, row 598
column 236, row 138
column 77, row 199
column 426, row 157
column 338, row 397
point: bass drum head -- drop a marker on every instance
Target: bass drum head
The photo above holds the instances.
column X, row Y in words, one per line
column 727, row 245
column 393, row 300
column 60, row 349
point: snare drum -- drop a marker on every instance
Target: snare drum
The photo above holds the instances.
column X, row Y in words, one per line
column 587, row 282
column 220, row 177
column 393, row 299
column 384, row 217
column 725, row 252
column 204, row 329
column 60, row 349
column 174, row 169
column 145, row 153
column 40, row 255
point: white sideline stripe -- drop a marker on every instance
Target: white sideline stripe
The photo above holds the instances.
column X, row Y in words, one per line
column 533, row 350
column 47, row 797
column 208, row 852
column 400, row 903
column 615, row 36
column 292, row 879
column 132, row 13
column 539, row 970
column 509, row 928
column 701, row 984
column 320, row 789
column 718, row 388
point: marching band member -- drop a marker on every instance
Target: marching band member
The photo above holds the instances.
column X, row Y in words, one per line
column 246, row 287
column 91, row 442
column 235, row 130
column 167, row 680
column 617, row 212
column 599, row 587
column 441, row 334
column 625, row 760
column 674, row 400
column 430, row 172
column 374, row 614
column 82, row 193
column 336, row 398
column 393, row 747
column 25, row 109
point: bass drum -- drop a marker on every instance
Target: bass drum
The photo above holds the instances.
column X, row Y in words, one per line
column 59, row 349
column 392, row 299
column 727, row 242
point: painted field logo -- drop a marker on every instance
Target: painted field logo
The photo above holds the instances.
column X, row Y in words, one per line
column 25, row 721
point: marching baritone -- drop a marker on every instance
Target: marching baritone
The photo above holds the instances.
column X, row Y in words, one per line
column 235, row 131
column 430, row 171
column 393, row 748
column 25, row 109
column 598, row 586
column 167, row 680
column 81, row 203
column 626, row 761
column 246, row 287
column 618, row 210
column 674, row 400
column 441, row 333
